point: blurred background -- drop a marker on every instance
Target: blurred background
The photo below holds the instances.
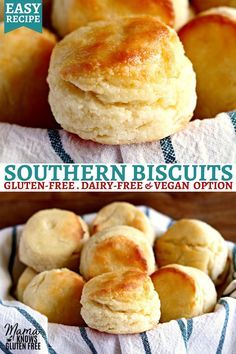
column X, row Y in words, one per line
column 217, row 209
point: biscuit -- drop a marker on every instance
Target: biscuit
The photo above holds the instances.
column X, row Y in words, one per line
column 116, row 248
column 56, row 294
column 121, row 82
column 68, row 15
column 24, row 62
column 23, row 281
column 120, row 303
column 182, row 12
column 184, row 292
column 53, row 239
column 121, row 213
column 193, row 243
column 206, row 38
column 203, row 5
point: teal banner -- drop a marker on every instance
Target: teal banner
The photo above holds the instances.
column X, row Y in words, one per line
column 23, row 13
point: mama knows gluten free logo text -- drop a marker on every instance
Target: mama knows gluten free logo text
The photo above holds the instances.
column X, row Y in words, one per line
column 22, row 13
column 21, row 339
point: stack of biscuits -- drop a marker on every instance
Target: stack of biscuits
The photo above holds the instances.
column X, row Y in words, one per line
column 114, row 275
column 120, row 71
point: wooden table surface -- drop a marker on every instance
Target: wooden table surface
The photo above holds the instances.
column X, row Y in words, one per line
column 218, row 209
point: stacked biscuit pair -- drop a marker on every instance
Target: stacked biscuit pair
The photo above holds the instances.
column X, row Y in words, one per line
column 119, row 289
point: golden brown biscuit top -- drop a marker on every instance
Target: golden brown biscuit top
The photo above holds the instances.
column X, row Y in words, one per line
column 121, row 213
column 83, row 11
column 127, row 60
column 116, row 248
column 54, row 226
column 191, row 232
column 107, row 45
column 220, row 15
column 53, row 282
column 176, row 271
column 24, row 36
column 129, row 286
column 117, row 251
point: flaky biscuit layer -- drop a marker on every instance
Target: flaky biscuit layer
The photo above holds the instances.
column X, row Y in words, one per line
column 121, row 303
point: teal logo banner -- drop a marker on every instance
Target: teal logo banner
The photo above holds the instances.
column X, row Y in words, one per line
column 23, row 13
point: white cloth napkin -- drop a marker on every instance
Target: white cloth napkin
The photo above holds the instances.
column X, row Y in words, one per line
column 213, row 333
column 203, row 141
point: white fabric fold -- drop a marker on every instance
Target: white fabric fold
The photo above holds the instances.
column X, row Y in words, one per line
column 203, row 141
